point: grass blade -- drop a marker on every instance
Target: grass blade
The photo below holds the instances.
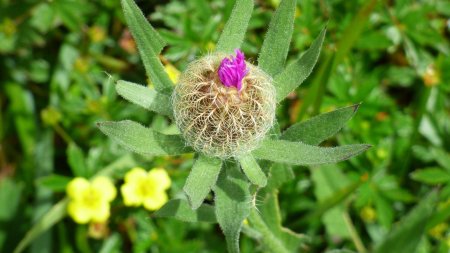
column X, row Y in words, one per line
column 278, row 38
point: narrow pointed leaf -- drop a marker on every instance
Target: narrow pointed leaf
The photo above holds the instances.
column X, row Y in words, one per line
column 149, row 44
column 297, row 153
column 233, row 204
column 202, row 178
column 234, row 31
column 180, row 210
column 297, row 72
column 319, row 128
column 252, row 170
column 146, row 97
column 278, row 38
column 406, row 235
column 143, row 140
column 53, row 216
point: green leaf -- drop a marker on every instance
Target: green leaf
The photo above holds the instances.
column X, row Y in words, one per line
column 143, row 140
column 233, row 203
column 270, row 240
column 149, row 44
column 297, row 153
column 297, row 72
column 53, row 216
column 234, row 31
column 54, row 182
column 145, row 97
column 329, row 185
column 180, row 210
column 77, row 161
column 202, row 178
column 431, row 176
column 319, row 128
column 278, row 38
column 252, row 170
column 406, row 235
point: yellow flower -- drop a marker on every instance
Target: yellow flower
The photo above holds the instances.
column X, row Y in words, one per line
column 146, row 188
column 174, row 73
column 89, row 201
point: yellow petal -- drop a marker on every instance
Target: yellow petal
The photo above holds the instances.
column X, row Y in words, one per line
column 130, row 194
column 77, row 187
column 156, row 201
column 160, row 177
column 101, row 212
column 105, row 187
column 135, row 174
column 79, row 213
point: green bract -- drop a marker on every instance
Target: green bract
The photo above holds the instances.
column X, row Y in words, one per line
column 234, row 177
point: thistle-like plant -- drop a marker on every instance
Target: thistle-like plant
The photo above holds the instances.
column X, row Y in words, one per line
column 224, row 108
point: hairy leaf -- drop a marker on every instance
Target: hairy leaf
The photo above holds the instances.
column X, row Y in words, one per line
column 202, row 178
column 406, row 235
column 180, row 209
column 278, row 38
column 252, row 170
column 319, row 128
column 234, row 32
column 232, row 198
column 297, row 72
column 146, row 97
column 297, row 153
column 143, row 140
column 149, row 44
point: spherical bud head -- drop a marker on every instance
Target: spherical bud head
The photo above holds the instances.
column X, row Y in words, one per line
column 224, row 106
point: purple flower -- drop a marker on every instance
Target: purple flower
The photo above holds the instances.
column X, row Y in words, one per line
column 232, row 70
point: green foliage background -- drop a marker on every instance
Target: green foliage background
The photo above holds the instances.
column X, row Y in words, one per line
column 59, row 61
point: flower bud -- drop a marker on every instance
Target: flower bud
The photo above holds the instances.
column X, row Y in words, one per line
column 224, row 106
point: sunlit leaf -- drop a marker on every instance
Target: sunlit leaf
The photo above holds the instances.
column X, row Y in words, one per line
column 252, row 170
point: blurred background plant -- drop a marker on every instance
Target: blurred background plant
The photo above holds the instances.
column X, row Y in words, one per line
column 59, row 60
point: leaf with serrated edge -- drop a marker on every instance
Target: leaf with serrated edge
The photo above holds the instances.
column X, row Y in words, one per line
column 201, row 179
column 180, row 210
column 149, row 44
column 234, row 32
column 233, row 204
column 252, row 170
column 297, row 72
column 278, row 38
column 143, row 140
column 145, row 97
column 297, row 153
column 319, row 128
